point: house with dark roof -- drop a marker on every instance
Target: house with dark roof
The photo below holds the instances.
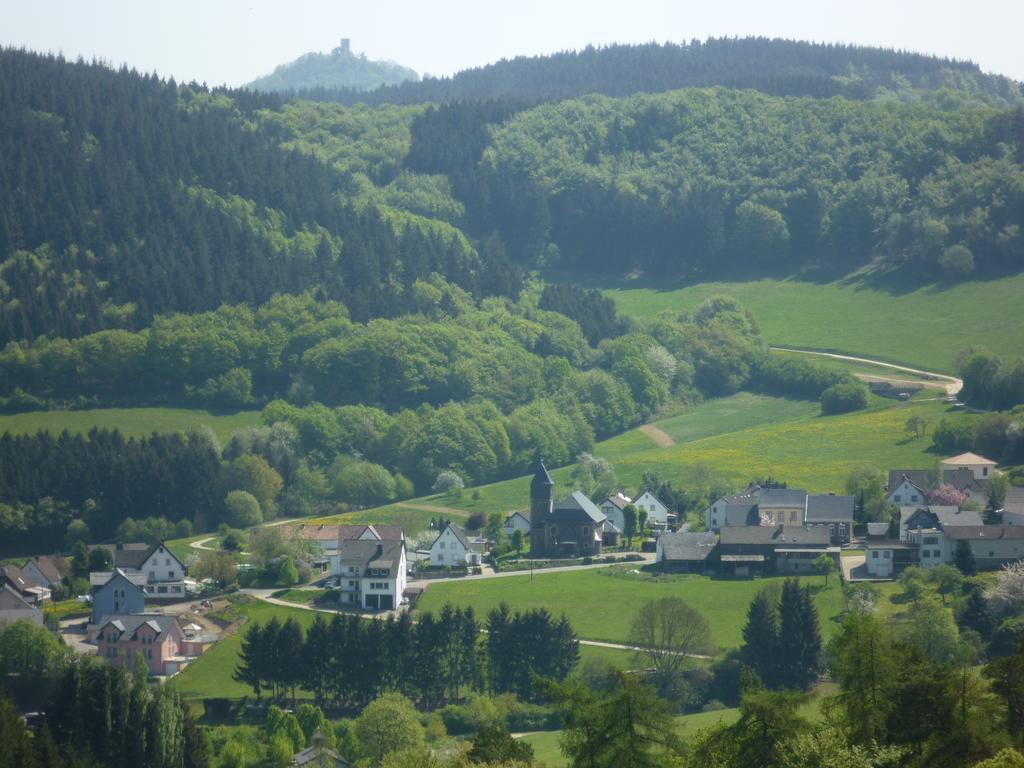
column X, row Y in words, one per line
column 752, row 550
column 731, row 511
column 993, row 546
column 455, row 547
column 909, row 487
column 980, row 466
column 319, row 755
column 935, row 516
column 832, row 512
column 120, row 592
column 46, row 570
column 516, row 521
column 163, row 573
column 572, row 527
column 612, row 508
column 156, row 637
column 782, row 506
column 20, row 582
column 686, row 552
column 13, row 607
column 371, row 573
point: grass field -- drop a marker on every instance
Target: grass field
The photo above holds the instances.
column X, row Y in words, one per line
column 925, row 327
column 210, row 674
column 736, row 439
column 131, row 421
column 601, row 603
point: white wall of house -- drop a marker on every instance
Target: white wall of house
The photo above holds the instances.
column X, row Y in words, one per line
column 447, row 550
column 31, row 570
column 163, row 566
column 657, row 513
column 879, row 563
column 392, row 584
column 906, row 495
column 516, row 522
column 614, row 514
column 992, row 552
column 933, row 548
column 981, row 470
column 714, row 516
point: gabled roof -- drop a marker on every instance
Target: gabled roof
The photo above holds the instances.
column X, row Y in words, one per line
column 788, row 535
column 379, row 532
column 103, row 578
column 985, row 532
column 516, row 513
column 128, row 625
column 962, row 480
column 458, row 533
column 741, row 513
column 1014, row 502
column 367, row 554
column 935, row 515
column 127, row 555
column 15, row 578
column 314, row 532
column 576, row 508
column 827, row 508
column 156, row 548
column 919, row 478
column 53, row 567
column 541, row 484
column 968, row 458
column 11, row 600
column 618, row 501
column 687, row 545
column 781, row 497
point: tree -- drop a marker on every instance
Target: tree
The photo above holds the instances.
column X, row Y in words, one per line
column 862, row 662
column 253, row 654
column 517, row 541
column 494, row 744
column 977, row 614
column 220, row 566
column 669, row 632
column 912, row 581
column 947, row 495
column 867, row 486
column 287, row 573
column 767, row 725
column 760, row 649
column 388, row 724
column 630, row 517
column 956, row 262
column 1007, row 677
column 100, row 559
column 252, row 473
column 932, row 630
column 77, row 531
column 950, row 436
column 1006, row 595
column 364, row 484
column 641, row 521
column 916, row 426
column 997, row 487
column 448, row 481
column 843, row 398
column 963, row 558
column 284, row 724
column 242, row 510
column 947, row 578
column 828, row 746
column 824, row 564
column 799, row 637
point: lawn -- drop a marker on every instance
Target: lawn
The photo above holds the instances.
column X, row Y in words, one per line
column 601, row 603
column 925, row 327
column 210, row 675
column 131, row 421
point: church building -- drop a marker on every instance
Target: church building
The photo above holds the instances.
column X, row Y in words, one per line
column 572, row 527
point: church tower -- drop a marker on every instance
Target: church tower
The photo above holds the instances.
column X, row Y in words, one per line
column 542, row 489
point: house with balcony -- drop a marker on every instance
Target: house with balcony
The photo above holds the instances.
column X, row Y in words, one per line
column 371, row 573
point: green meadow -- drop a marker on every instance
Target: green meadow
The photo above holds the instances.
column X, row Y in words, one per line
column 133, row 422
column 601, row 603
column 923, row 327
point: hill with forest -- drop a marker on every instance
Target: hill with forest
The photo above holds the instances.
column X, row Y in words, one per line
column 774, row 66
column 340, row 69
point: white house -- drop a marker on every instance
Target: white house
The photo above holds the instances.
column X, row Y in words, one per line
column 982, row 468
column 454, row 547
column 348, row 533
column 906, row 493
column 732, row 511
column 612, row 508
column 657, row 513
column 516, row 521
column 371, row 573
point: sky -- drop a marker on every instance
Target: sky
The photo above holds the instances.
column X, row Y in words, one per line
column 234, row 41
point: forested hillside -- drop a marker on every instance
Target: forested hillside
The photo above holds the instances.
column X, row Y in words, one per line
column 339, row 69
column 778, row 67
column 124, row 196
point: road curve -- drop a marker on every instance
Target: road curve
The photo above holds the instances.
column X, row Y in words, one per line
column 951, row 385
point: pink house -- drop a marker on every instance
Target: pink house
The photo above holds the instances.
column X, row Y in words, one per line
column 158, row 638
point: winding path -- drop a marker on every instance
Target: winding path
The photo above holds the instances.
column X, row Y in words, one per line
column 951, row 385
column 660, row 438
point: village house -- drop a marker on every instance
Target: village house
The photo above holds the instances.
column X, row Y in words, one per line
column 156, row 637
column 46, row 570
column 658, row 516
column 756, row 549
column 832, row 512
column 1012, row 512
column 685, row 552
column 516, row 521
column 783, row 506
column 454, row 547
column 730, row 511
column 118, row 592
column 612, row 508
column 993, row 546
column 319, row 755
column 982, row 468
column 163, row 574
column 347, row 533
column 13, row 607
column 885, row 557
column 26, row 587
column 371, row 573
column 935, row 516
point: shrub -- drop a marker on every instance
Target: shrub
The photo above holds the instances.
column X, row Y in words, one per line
column 950, row 436
column 844, row 398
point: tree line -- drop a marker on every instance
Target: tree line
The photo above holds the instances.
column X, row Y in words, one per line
column 348, row 661
column 779, row 67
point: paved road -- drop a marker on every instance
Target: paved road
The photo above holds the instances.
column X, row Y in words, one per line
column 949, row 384
column 201, row 544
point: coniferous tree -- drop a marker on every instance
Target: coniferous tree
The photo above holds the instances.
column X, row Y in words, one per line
column 799, row 637
column 761, row 648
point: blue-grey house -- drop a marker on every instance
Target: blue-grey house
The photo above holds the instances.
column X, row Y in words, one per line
column 120, row 594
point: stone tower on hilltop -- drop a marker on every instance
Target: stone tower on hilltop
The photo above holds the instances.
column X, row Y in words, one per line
column 344, row 49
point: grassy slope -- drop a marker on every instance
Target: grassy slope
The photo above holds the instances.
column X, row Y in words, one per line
column 739, row 438
column 925, row 327
column 131, row 421
column 601, row 606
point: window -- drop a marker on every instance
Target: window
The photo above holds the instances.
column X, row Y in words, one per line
column 897, row 498
column 931, row 539
column 991, row 553
column 926, row 553
column 152, row 574
column 888, row 554
column 874, row 555
column 912, row 498
column 441, row 545
column 984, row 471
column 652, row 507
column 831, row 529
column 162, row 590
